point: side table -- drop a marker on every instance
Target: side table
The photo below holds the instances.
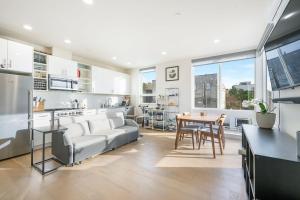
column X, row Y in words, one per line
column 40, row 165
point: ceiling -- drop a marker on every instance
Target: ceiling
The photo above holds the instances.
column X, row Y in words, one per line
column 138, row 31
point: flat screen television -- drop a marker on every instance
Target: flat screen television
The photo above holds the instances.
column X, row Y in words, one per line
column 284, row 65
column 283, row 49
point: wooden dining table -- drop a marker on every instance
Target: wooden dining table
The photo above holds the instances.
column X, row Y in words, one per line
column 208, row 119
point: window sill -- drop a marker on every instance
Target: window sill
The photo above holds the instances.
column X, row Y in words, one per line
column 220, row 109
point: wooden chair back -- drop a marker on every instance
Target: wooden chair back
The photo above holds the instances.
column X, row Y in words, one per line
column 177, row 120
column 220, row 122
column 186, row 114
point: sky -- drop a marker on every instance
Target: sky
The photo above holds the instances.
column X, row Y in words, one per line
column 232, row 72
column 149, row 76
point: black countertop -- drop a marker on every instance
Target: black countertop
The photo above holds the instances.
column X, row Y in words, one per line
column 271, row 143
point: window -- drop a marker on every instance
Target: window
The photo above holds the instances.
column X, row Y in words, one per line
column 225, row 85
column 238, row 83
column 148, row 86
column 206, row 86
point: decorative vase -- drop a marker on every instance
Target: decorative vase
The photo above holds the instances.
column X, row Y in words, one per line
column 265, row 120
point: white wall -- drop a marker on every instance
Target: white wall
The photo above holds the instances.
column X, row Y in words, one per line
column 184, row 83
column 290, row 113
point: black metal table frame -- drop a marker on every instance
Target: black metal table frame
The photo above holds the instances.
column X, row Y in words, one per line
column 43, row 161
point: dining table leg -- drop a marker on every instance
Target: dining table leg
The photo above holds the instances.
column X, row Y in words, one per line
column 212, row 139
column 178, row 133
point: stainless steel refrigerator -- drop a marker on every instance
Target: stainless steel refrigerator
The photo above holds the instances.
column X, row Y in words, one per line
column 15, row 114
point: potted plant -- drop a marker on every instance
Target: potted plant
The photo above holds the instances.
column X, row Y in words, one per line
column 266, row 117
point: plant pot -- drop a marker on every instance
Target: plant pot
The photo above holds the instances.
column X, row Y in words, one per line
column 265, row 120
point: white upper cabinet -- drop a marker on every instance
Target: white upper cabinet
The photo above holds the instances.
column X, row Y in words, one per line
column 62, row 67
column 102, row 81
column 15, row 56
column 105, row 81
column 121, row 83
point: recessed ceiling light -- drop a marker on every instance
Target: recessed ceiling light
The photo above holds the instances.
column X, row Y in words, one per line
column 89, row 2
column 163, row 53
column 27, row 27
column 216, row 41
column 67, row 41
column 289, row 15
column 114, row 58
column 128, row 63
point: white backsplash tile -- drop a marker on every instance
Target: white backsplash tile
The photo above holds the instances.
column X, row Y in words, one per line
column 62, row 99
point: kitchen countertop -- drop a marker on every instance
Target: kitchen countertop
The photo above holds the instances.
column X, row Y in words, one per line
column 82, row 109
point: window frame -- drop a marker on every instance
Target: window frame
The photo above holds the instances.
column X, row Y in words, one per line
column 220, row 60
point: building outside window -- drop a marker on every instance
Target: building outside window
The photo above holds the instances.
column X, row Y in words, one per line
column 225, row 85
column 206, row 86
column 148, row 85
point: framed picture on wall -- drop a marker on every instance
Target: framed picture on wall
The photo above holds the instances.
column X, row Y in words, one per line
column 172, row 73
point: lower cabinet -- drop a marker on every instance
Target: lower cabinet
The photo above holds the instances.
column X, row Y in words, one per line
column 270, row 164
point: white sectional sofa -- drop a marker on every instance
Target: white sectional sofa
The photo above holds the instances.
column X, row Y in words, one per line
column 93, row 134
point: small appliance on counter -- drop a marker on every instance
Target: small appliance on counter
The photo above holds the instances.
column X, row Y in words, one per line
column 60, row 83
column 125, row 101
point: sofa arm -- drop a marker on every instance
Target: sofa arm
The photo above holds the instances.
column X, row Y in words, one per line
column 62, row 148
column 131, row 122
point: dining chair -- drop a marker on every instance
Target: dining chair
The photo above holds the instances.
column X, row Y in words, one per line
column 218, row 133
column 216, row 127
column 187, row 129
column 191, row 125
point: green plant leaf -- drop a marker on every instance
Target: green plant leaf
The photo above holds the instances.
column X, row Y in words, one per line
column 263, row 108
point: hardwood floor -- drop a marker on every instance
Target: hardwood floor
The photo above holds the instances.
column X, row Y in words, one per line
column 147, row 169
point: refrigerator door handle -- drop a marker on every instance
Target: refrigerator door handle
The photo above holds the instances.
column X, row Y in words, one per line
column 30, row 105
column 4, row 63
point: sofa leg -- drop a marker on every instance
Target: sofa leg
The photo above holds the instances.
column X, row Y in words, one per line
column 70, row 165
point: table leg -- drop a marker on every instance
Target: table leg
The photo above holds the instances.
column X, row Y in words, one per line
column 32, row 145
column 43, row 156
column 212, row 139
column 178, row 133
column 52, row 119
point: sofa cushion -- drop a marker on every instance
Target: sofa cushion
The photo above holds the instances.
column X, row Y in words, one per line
column 87, row 140
column 127, row 129
column 109, row 134
column 65, row 120
column 116, row 122
column 74, row 130
column 99, row 125
column 88, row 117
column 85, row 127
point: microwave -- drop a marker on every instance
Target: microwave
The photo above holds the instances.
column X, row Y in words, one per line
column 58, row 83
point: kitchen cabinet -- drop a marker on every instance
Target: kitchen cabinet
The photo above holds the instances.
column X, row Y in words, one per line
column 105, row 81
column 62, row 67
column 121, row 83
column 15, row 56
